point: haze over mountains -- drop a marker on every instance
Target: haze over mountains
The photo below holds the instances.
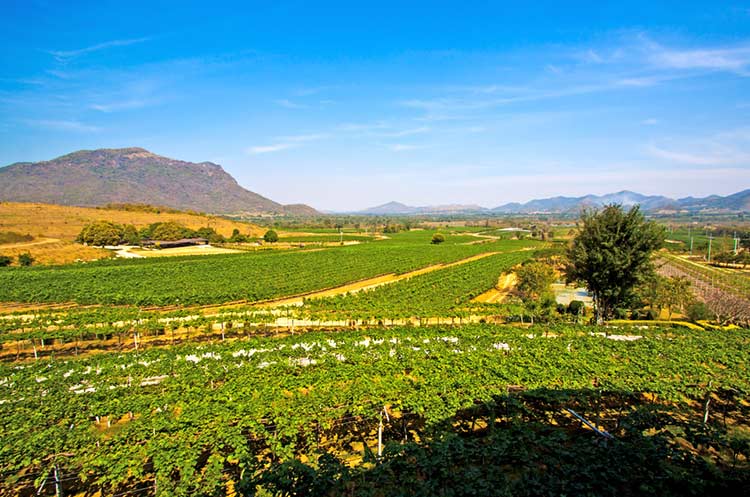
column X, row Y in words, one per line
column 738, row 202
column 134, row 175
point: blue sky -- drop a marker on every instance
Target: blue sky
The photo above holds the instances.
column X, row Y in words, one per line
column 348, row 105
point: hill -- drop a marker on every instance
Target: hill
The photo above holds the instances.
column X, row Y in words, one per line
column 738, row 202
column 134, row 175
column 397, row 208
column 54, row 227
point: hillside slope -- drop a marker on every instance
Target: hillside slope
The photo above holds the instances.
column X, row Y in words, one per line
column 134, row 175
column 54, row 228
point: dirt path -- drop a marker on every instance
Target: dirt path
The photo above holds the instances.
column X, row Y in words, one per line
column 212, row 309
column 367, row 284
column 505, row 285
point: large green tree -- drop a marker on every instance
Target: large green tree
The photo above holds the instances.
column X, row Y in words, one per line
column 101, row 233
column 611, row 255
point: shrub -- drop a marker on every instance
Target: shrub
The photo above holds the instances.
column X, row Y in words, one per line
column 271, row 236
column 438, row 238
column 5, row 260
column 25, row 259
column 577, row 307
column 698, row 311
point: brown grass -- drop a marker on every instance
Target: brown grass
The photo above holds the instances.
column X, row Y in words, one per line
column 57, row 227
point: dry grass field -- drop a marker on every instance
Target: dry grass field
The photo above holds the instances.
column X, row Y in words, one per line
column 55, row 227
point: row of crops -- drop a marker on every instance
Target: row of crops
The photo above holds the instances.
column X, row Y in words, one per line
column 204, row 419
column 728, row 280
column 225, row 278
column 444, row 293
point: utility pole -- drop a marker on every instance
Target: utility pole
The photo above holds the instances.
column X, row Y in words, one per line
column 735, row 242
column 710, row 239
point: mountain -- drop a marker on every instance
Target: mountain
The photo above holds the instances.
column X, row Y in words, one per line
column 390, row 208
column 557, row 205
column 739, row 201
column 136, row 176
column 397, row 208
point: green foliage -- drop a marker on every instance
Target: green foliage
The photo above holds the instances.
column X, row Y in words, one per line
column 238, row 410
column 130, row 235
column 698, row 311
column 169, row 231
column 101, row 233
column 534, row 280
column 210, row 234
column 611, row 255
column 5, row 260
column 271, row 236
column 25, row 259
column 230, row 277
column 577, row 308
column 237, row 237
column 437, row 238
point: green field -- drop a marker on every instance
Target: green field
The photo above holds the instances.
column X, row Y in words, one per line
column 199, row 419
column 232, row 277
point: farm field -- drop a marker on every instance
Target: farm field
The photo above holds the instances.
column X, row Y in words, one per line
column 232, row 277
column 202, row 419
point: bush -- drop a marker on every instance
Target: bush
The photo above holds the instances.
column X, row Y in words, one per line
column 271, row 236
column 577, row 307
column 5, row 260
column 438, row 238
column 25, row 259
column 698, row 312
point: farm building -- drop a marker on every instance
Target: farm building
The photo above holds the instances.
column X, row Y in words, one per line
column 184, row 242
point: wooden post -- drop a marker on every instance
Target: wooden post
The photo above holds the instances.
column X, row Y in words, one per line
column 380, row 435
column 58, row 484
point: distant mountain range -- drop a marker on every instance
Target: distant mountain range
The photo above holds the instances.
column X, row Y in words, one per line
column 738, row 202
column 135, row 175
column 397, row 208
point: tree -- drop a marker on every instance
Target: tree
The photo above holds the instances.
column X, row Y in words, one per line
column 534, row 280
column 611, row 255
column 5, row 260
column 672, row 294
column 438, row 238
column 25, row 259
column 271, row 236
column 167, row 231
column 101, row 233
column 130, row 235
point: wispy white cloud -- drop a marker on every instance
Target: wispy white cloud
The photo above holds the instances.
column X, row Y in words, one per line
column 267, row 149
column 63, row 125
column 288, row 104
column 405, row 132
column 734, row 59
column 401, row 147
column 303, row 138
column 713, row 156
column 66, row 55
column 650, row 121
column 123, row 105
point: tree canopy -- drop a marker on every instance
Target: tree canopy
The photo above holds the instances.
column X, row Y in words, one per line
column 611, row 255
column 271, row 236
